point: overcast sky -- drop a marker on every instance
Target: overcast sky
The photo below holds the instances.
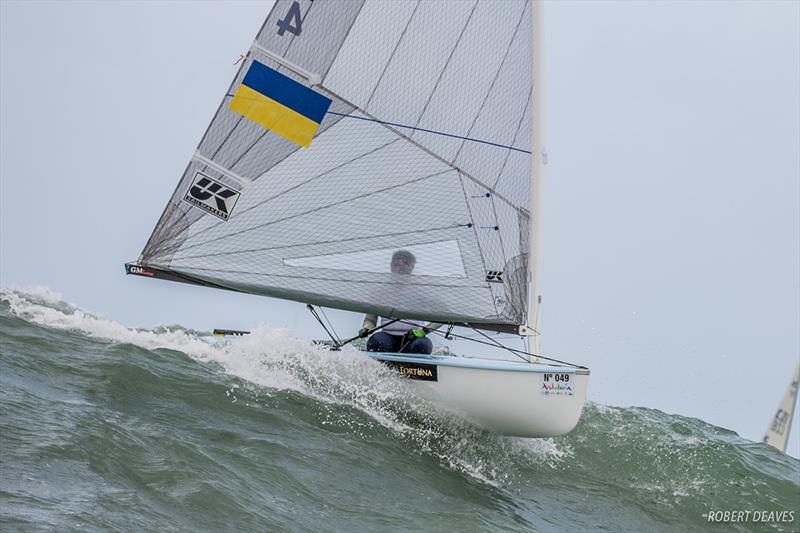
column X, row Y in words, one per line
column 671, row 223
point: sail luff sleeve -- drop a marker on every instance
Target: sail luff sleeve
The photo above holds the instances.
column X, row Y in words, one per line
column 538, row 173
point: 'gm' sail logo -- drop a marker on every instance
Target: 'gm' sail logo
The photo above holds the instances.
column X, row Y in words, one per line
column 212, row 196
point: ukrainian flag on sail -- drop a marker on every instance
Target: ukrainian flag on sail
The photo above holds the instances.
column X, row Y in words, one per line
column 280, row 104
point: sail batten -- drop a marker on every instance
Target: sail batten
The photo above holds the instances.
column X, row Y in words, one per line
column 425, row 148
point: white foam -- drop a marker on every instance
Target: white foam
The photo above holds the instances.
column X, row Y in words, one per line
column 268, row 357
column 43, row 306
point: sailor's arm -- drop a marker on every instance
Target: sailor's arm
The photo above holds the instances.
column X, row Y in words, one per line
column 432, row 326
column 424, row 330
column 370, row 321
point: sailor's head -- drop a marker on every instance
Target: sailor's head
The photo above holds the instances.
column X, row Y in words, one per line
column 403, row 262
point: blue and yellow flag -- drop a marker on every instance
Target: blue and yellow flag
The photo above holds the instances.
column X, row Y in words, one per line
column 280, row 104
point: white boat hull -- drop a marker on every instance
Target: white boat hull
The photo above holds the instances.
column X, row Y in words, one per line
column 506, row 397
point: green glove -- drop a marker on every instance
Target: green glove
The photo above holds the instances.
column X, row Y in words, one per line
column 363, row 332
column 419, row 332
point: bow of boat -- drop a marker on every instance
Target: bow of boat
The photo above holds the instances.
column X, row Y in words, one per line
column 514, row 398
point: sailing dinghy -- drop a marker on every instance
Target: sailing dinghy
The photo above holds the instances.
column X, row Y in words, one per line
column 777, row 434
column 354, row 129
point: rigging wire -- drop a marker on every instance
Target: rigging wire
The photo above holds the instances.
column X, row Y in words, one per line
column 498, row 344
column 425, row 130
column 494, row 343
column 335, row 340
column 322, row 309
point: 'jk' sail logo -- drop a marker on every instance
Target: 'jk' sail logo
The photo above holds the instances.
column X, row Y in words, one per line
column 494, row 276
column 212, row 196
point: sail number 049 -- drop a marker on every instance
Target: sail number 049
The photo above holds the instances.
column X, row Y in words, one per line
column 557, row 377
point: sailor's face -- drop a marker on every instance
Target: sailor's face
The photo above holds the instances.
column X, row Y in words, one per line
column 401, row 266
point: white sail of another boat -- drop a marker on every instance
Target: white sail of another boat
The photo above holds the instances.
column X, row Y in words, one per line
column 777, row 434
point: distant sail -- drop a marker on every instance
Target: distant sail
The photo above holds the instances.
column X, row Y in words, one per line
column 778, row 432
column 425, row 147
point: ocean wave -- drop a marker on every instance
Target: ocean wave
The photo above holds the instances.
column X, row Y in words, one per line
column 274, row 360
column 90, row 395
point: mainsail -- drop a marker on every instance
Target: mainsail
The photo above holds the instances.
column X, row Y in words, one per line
column 777, row 434
column 426, row 147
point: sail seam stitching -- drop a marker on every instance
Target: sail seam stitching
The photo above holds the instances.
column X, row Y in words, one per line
column 446, row 64
column 496, row 76
column 391, row 57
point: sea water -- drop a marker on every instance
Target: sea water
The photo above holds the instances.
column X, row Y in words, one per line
column 106, row 427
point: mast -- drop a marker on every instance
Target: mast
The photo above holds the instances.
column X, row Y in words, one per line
column 537, row 175
column 777, row 434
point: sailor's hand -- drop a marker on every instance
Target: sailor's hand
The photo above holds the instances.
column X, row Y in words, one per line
column 418, row 333
column 363, row 332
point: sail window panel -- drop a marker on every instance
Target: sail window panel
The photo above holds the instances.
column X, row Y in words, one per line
column 438, row 263
column 243, row 256
column 439, row 259
column 418, row 61
column 460, row 257
column 419, row 293
column 325, row 26
column 271, row 265
column 346, row 238
column 430, row 302
column 366, row 52
column 288, row 241
column 469, row 74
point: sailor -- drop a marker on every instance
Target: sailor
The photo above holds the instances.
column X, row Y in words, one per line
column 403, row 336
